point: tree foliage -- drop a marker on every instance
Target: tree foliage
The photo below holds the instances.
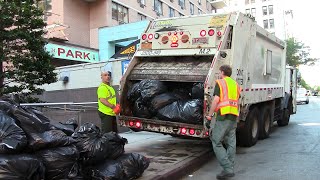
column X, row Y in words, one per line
column 22, row 47
column 304, row 84
column 298, row 53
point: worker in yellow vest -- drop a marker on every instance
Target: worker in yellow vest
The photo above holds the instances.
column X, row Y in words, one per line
column 108, row 109
column 225, row 110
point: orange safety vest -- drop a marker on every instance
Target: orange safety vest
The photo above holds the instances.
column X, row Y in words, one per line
column 229, row 96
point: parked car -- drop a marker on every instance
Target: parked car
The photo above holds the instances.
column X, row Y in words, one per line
column 302, row 96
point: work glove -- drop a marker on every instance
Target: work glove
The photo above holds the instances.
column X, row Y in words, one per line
column 208, row 122
column 117, row 109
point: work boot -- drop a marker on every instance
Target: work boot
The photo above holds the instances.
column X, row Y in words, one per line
column 224, row 175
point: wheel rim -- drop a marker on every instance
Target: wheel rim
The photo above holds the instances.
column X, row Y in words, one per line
column 267, row 124
column 255, row 128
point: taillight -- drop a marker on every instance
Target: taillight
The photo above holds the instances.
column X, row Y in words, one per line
column 175, row 33
column 144, row 37
column 203, row 33
column 191, row 131
column 138, row 124
column 174, row 39
column 169, row 33
column 183, row 131
column 207, row 133
column 131, row 123
column 185, row 38
column 211, row 32
column 150, row 36
column 198, row 132
column 219, row 33
column 156, row 36
column 181, row 32
column 165, row 39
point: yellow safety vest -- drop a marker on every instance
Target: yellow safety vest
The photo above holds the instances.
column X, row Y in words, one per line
column 107, row 92
column 229, row 96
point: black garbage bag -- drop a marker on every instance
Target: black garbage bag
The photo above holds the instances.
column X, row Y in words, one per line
column 116, row 144
column 60, row 162
column 5, row 106
column 49, row 139
column 183, row 111
column 21, row 166
column 29, row 122
column 141, row 110
column 162, row 100
column 182, row 93
column 151, row 88
column 37, row 113
column 68, row 127
column 110, row 169
column 133, row 165
column 134, row 92
column 197, row 91
column 12, row 137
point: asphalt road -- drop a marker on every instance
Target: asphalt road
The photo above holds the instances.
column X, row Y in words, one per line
column 291, row 152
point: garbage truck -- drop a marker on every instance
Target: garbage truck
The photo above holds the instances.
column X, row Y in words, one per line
column 182, row 51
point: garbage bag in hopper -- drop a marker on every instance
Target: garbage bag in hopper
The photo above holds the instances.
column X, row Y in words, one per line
column 181, row 93
column 116, row 144
column 49, row 139
column 183, row 111
column 197, row 91
column 141, row 110
column 68, row 127
column 162, row 100
column 133, row 165
column 110, row 169
column 151, row 88
column 21, row 166
column 60, row 162
column 134, row 92
column 12, row 137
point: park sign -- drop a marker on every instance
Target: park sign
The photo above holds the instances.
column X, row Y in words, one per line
column 72, row 53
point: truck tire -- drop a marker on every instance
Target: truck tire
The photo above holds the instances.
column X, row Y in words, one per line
column 265, row 122
column 285, row 118
column 249, row 133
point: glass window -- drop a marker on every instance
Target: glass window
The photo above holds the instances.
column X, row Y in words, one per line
column 182, row 4
column 143, row 2
column 171, row 12
column 265, row 24
column 142, row 17
column 120, row 13
column 199, row 11
column 264, row 10
column 199, row 2
column 247, row 11
column 45, row 5
column 253, row 12
column 253, row 1
column 191, row 9
column 271, row 21
column 247, row 2
column 209, row 7
column 270, row 9
column 158, row 7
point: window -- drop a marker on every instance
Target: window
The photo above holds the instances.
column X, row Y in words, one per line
column 253, row 1
column 182, row 4
column 264, row 10
column 191, row 9
column 171, row 12
column 158, row 7
column 199, row 11
column 265, row 24
column 247, row 11
column 253, row 12
column 247, row 2
column 142, row 17
column 199, row 2
column 142, row 2
column 271, row 21
column 270, row 9
column 46, row 7
column 268, row 64
column 120, row 13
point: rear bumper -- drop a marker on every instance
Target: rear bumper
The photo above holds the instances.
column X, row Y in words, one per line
column 164, row 127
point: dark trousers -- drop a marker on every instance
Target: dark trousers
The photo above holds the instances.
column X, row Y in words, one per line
column 108, row 123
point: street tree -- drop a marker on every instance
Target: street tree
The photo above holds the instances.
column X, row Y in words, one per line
column 298, row 53
column 25, row 64
column 304, row 84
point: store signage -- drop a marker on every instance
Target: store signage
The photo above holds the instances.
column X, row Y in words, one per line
column 72, row 53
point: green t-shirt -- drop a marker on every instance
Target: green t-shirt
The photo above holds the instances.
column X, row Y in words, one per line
column 104, row 91
column 219, row 117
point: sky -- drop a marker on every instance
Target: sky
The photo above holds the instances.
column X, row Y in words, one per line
column 307, row 29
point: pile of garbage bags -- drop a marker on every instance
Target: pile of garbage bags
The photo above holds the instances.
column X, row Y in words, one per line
column 34, row 147
column 156, row 99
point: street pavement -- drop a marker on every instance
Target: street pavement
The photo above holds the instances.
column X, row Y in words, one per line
column 290, row 153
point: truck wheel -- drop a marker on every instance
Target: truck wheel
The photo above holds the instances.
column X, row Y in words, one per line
column 307, row 102
column 265, row 122
column 250, row 131
column 285, row 118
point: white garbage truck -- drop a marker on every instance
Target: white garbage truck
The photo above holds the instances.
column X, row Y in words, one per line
column 190, row 49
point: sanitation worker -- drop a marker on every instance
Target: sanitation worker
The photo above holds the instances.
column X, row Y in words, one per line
column 224, row 108
column 107, row 107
